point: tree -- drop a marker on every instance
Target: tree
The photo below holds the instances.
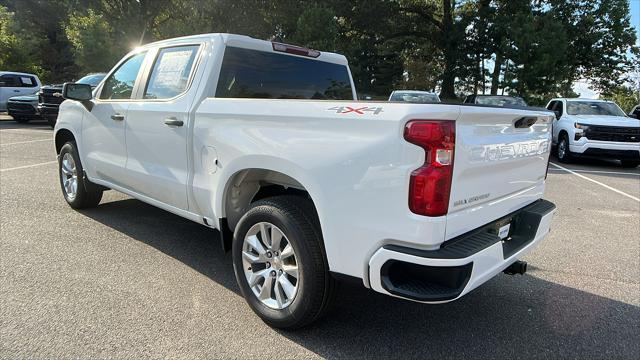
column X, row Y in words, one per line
column 316, row 28
column 95, row 48
column 12, row 55
column 624, row 96
column 38, row 28
column 599, row 35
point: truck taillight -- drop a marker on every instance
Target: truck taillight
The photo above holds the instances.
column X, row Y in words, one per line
column 430, row 185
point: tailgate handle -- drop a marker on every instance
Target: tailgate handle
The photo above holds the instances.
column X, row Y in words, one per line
column 525, row 122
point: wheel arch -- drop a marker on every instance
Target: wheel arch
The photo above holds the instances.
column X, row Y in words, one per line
column 250, row 184
column 63, row 136
column 563, row 132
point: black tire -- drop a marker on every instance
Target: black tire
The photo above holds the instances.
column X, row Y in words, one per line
column 295, row 216
column 51, row 120
column 87, row 194
column 630, row 163
column 21, row 119
column 564, row 156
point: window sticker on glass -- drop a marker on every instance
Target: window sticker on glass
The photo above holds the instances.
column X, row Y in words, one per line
column 171, row 72
column 171, row 67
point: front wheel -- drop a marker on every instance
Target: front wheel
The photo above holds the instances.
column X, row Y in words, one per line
column 564, row 153
column 279, row 262
column 78, row 192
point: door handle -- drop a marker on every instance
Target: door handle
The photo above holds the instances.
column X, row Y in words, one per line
column 171, row 121
column 117, row 117
column 16, row 90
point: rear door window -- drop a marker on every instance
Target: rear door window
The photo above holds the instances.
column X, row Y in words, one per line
column 171, row 71
column 27, row 81
column 249, row 73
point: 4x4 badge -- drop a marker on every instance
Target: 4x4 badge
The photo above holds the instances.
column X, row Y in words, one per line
column 356, row 110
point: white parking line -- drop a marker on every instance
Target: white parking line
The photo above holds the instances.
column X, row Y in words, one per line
column 596, row 182
column 600, row 172
column 26, row 142
column 33, row 130
column 29, row 166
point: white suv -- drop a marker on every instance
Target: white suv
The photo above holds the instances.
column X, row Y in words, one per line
column 595, row 128
column 14, row 84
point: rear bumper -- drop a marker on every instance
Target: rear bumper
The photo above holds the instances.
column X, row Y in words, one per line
column 461, row 264
column 616, row 150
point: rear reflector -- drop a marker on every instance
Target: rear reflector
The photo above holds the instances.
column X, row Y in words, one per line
column 430, row 185
column 296, row 50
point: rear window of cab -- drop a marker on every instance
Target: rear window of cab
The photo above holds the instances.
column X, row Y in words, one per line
column 250, row 73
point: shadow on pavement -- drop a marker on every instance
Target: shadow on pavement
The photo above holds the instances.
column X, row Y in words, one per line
column 584, row 163
column 523, row 317
column 7, row 123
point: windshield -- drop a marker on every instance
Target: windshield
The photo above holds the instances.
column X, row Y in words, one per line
column 412, row 97
column 594, row 108
column 500, row 100
column 92, row 80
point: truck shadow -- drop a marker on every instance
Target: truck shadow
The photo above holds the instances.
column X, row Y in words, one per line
column 588, row 163
column 519, row 316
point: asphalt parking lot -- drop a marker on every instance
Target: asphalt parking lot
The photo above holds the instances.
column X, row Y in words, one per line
column 129, row 280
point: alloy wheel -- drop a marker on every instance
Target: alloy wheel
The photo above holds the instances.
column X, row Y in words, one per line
column 270, row 265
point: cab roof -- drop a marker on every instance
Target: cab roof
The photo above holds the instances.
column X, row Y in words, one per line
column 241, row 41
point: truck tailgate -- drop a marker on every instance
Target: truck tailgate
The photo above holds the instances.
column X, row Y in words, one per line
column 501, row 158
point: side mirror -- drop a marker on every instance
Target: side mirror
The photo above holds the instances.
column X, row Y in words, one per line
column 80, row 92
column 558, row 114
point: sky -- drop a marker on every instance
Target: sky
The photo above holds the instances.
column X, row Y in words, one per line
column 582, row 87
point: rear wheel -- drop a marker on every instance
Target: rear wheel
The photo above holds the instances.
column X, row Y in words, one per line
column 630, row 163
column 78, row 192
column 279, row 262
column 564, row 153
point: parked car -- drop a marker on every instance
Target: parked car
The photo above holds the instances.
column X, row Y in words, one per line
column 414, row 96
column 50, row 96
column 635, row 112
column 267, row 143
column 495, row 100
column 24, row 107
column 14, row 84
column 597, row 128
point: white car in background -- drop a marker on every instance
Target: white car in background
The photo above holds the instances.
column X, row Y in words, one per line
column 414, row 96
column 596, row 128
column 16, row 83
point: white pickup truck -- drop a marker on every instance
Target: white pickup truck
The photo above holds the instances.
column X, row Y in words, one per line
column 266, row 143
column 595, row 128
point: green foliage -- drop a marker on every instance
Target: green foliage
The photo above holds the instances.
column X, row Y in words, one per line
column 534, row 48
column 13, row 56
column 94, row 44
column 316, row 28
column 624, row 96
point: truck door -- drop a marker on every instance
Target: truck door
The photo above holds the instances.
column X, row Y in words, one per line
column 103, row 144
column 157, row 126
